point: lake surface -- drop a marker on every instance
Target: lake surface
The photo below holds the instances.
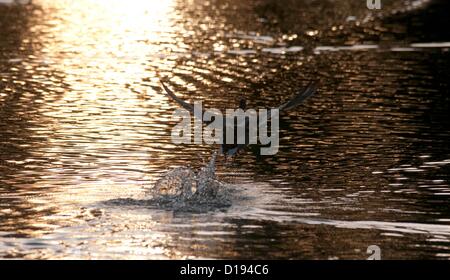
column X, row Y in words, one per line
column 85, row 128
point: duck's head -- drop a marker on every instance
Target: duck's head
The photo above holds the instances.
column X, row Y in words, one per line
column 242, row 104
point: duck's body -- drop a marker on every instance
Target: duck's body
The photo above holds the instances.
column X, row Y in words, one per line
column 232, row 149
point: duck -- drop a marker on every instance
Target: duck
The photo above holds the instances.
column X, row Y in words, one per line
column 299, row 97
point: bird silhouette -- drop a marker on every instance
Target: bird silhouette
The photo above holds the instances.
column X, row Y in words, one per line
column 232, row 149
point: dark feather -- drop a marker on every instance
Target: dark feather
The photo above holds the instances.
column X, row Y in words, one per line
column 180, row 101
column 299, row 98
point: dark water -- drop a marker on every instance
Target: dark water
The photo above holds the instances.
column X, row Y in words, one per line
column 85, row 130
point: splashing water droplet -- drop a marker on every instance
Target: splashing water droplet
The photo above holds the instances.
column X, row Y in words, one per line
column 183, row 187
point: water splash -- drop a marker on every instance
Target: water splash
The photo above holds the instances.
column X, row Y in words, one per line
column 185, row 189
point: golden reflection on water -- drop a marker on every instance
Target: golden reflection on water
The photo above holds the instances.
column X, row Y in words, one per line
column 96, row 125
column 103, row 48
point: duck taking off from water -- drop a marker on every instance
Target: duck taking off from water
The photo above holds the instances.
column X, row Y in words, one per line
column 231, row 149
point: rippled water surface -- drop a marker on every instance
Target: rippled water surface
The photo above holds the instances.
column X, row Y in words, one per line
column 85, row 128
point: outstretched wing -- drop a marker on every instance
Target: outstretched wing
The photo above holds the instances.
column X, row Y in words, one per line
column 299, row 98
column 189, row 107
column 180, row 101
column 296, row 100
